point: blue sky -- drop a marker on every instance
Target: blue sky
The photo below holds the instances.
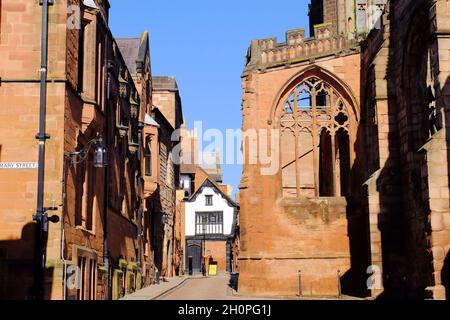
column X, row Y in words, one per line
column 203, row 44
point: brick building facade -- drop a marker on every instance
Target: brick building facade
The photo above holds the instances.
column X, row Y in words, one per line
column 99, row 95
column 167, row 110
column 362, row 189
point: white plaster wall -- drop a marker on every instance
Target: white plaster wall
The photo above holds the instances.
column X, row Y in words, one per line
column 219, row 204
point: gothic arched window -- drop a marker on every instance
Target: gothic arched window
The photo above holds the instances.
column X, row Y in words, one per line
column 315, row 147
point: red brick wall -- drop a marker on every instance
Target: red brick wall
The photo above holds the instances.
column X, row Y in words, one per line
column 218, row 250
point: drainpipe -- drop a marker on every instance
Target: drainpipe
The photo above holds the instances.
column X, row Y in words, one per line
column 41, row 217
column 62, row 244
column 139, row 202
column 110, row 66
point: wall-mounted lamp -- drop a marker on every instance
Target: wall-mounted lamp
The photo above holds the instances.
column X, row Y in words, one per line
column 100, row 154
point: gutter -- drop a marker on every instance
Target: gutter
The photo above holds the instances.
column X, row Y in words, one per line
column 62, row 256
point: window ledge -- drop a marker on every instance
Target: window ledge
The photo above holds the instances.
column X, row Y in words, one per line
column 85, row 230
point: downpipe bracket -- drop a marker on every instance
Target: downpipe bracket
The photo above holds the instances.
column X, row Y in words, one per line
column 42, row 137
column 50, row 2
column 42, row 217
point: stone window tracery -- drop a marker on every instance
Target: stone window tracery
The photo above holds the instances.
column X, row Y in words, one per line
column 369, row 13
column 431, row 99
column 362, row 15
column 315, row 124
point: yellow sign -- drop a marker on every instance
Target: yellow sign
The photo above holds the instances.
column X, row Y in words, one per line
column 213, row 270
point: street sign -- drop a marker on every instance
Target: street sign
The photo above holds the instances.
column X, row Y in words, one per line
column 18, row 165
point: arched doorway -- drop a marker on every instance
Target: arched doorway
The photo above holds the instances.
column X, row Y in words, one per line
column 193, row 257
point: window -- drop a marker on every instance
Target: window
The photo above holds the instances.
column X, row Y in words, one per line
column 90, row 60
column 368, row 14
column 185, row 184
column 100, row 70
column 133, row 280
column 87, row 266
column 148, row 157
column 82, row 274
column 92, row 275
column 209, row 200
column 314, row 120
column 87, row 216
column 209, row 223
column 433, row 113
column 81, row 45
column 0, row 19
column 124, row 282
column 170, row 177
column 86, row 204
column 362, row 16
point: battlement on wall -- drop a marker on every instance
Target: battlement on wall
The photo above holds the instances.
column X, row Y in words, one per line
column 268, row 53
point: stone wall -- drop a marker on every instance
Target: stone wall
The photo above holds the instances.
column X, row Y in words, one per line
column 19, row 101
column 281, row 236
column 407, row 167
column 398, row 204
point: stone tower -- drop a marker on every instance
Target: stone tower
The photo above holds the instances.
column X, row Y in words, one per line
column 350, row 17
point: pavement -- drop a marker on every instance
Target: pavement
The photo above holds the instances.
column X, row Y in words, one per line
column 154, row 291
